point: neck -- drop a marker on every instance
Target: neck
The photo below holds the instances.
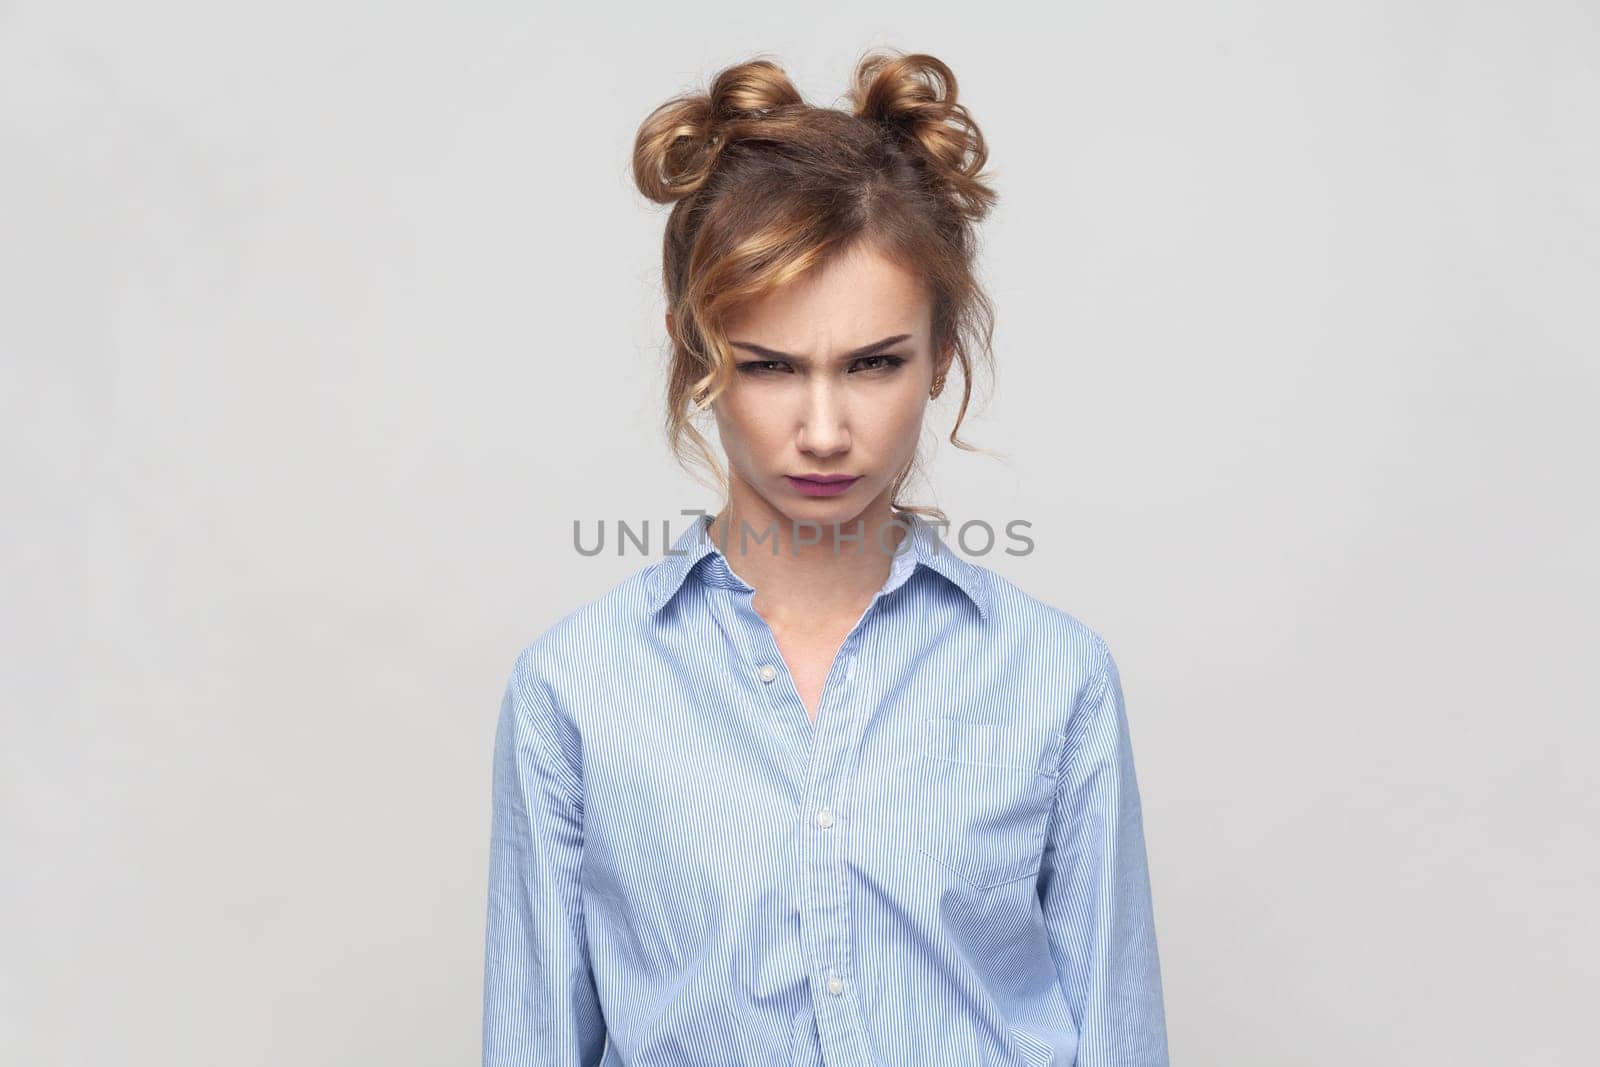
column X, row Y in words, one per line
column 809, row 574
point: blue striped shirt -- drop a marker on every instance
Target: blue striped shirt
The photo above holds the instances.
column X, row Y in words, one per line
column 947, row 867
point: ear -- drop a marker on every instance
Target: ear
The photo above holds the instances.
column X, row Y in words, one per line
column 670, row 331
column 943, row 358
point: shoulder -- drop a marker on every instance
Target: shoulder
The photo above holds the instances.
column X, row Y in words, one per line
column 586, row 651
column 1018, row 613
column 1046, row 642
column 589, row 637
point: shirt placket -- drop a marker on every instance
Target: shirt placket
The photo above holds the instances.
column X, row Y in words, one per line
column 824, row 912
column 824, row 826
column 824, row 823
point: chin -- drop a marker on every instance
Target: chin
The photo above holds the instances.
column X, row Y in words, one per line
column 845, row 507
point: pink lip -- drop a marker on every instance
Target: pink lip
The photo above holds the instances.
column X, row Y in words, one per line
column 831, row 485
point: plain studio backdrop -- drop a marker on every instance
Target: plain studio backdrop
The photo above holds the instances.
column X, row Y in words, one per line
column 322, row 323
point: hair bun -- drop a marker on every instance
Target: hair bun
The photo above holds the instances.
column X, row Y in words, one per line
column 915, row 96
column 678, row 143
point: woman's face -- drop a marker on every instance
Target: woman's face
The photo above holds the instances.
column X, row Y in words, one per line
column 831, row 377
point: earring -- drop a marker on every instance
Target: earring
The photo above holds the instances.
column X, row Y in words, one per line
column 938, row 386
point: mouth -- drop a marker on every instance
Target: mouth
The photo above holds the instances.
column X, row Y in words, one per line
column 822, row 484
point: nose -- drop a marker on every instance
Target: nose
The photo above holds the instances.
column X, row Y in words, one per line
column 824, row 425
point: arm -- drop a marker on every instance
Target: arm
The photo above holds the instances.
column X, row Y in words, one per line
column 1094, row 888
column 540, row 1007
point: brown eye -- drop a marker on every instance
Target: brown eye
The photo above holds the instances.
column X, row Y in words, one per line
column 760, row 366
column 889, row 362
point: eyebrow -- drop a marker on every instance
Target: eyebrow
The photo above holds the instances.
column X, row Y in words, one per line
column 866, row 350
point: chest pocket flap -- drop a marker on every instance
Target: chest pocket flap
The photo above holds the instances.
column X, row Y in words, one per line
column 986, row 790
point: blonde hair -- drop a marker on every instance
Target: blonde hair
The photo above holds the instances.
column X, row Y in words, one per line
column 765, row 187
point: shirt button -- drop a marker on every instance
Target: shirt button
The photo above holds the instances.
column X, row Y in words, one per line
column 836, row 985
column 767, row 672
column 824, row 818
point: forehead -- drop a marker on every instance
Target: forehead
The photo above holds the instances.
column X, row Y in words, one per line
column 857, row 296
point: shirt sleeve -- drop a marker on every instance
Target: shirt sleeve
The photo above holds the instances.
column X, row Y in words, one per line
column 539, row 1001
column 1094, row 888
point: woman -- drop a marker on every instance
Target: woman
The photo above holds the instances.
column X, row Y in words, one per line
column 824, row 793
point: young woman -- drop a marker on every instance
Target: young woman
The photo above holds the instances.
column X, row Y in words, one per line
column 812, row 788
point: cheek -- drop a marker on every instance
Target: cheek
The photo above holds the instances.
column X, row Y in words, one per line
column 903, row 418
column 744, row 426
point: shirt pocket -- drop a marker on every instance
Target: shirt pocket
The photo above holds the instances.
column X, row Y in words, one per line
column 985, row 794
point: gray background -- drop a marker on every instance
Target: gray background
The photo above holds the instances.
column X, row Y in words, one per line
column 322, row 322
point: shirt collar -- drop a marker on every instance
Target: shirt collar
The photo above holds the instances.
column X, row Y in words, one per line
column 926, row 549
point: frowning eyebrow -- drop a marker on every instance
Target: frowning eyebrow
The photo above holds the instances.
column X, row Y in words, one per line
column 868, row 350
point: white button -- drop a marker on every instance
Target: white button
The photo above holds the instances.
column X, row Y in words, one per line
column 824, row 818
column 767, row 672
column 836, row 985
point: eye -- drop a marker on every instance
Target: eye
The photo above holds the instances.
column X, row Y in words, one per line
column 889, row 362
column 761, row 366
